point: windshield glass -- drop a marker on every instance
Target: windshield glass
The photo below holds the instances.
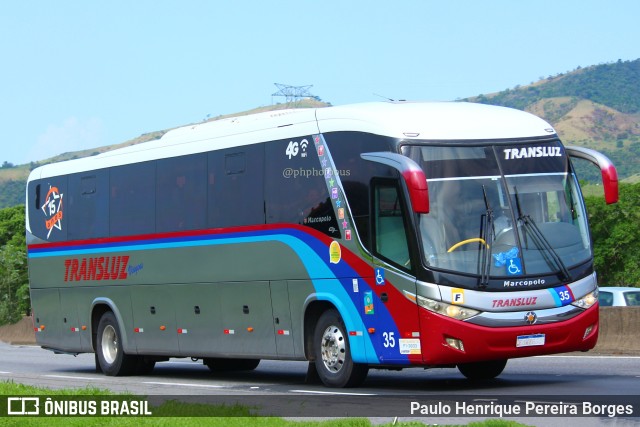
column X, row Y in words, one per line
column 502, row 211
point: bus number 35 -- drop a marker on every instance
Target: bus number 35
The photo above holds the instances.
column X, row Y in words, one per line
column 389, row 339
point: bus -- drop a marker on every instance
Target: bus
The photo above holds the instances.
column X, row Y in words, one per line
column 381, row 235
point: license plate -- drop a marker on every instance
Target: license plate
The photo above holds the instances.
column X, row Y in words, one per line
column 530, row 340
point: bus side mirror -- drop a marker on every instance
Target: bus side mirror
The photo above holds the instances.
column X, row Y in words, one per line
column 412, row 174
column 608, row 170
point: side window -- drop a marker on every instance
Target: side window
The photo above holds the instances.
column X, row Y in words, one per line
column 48, row 210
column 34, row 203
column 356, row 173
column 235, row 187
column 389, row 231
column 88, row 205
column 132, row 199
column 296, row 190
column 632, row 298
column 605, row 299
column 181, row 195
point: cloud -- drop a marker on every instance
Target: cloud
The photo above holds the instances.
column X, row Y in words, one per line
column 72, row 134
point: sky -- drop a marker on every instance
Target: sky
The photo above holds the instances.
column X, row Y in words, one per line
column 78, row 74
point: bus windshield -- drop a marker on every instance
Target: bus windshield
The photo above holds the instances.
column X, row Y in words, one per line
column 502, row 211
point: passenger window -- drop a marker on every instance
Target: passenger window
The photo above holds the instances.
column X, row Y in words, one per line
column 356, row 173
column 132, row 201
column 50, row 220
column 390, row 234
column 235, row 187
column 181, row 193
column 296, row 189
column 88, row 205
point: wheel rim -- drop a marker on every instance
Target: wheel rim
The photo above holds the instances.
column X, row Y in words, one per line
column 332, row 349
column 109, row 344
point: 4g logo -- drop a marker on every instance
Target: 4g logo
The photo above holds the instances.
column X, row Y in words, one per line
column 294, row 148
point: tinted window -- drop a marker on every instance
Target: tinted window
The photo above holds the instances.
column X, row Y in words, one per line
column 356, row 173
column 48, row 210
column 632, row 298
column 181, row 196
column 88, row 205
column 235, row 187
column 296, row 190
column 132, row 199
column 605, row 298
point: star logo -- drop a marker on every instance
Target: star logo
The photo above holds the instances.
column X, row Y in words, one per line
column 52, row 209
column 530, row 318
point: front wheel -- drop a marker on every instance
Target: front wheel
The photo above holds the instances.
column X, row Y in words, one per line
column 110, row 355
column 332, row 353
column 482, row 370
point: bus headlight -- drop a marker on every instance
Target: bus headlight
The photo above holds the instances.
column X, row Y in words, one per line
column 449, row 310
column 587, row 301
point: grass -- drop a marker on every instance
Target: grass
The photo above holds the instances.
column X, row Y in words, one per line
column 195, row 414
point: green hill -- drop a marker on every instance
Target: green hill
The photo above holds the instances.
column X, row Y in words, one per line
column 614, row 85
column 596, row 107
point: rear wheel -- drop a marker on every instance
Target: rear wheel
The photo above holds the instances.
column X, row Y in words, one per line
column 216, row 364
column 482, row 370
column 111, row 357
column 333, row 354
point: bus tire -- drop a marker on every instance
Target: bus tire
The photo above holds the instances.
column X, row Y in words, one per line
column 479, row 371
column 332, row 353
column 216, row 364
column 111, row 357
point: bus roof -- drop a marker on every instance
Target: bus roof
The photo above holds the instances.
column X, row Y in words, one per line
column 439, row 121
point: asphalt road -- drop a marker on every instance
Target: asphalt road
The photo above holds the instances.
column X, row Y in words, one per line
column 273, row 382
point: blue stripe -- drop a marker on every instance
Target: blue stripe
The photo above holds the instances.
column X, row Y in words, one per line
column 311, row 251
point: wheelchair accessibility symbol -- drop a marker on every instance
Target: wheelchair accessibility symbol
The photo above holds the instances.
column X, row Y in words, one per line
column 379, row 276
column 515, row 267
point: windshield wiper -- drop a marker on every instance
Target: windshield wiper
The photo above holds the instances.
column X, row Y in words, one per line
column 548, row 253
column 486, row 234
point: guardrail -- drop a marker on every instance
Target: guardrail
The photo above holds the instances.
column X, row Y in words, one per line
column 619, row 331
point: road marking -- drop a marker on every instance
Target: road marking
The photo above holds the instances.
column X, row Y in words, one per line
column 332, row 392
column 4, row 372
column 184, row 384
column 74, row 377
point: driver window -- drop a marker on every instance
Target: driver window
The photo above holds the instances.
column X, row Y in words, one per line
column 390, row 236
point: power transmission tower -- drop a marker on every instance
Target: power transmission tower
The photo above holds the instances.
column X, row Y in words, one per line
column 293, row 94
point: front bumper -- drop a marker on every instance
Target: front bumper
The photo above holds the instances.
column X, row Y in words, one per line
column 480, row 342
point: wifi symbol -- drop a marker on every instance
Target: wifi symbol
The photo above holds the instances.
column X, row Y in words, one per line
column 303, row 145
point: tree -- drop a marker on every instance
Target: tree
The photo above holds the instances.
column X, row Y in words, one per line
column 616, row 237
column 14, row 282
